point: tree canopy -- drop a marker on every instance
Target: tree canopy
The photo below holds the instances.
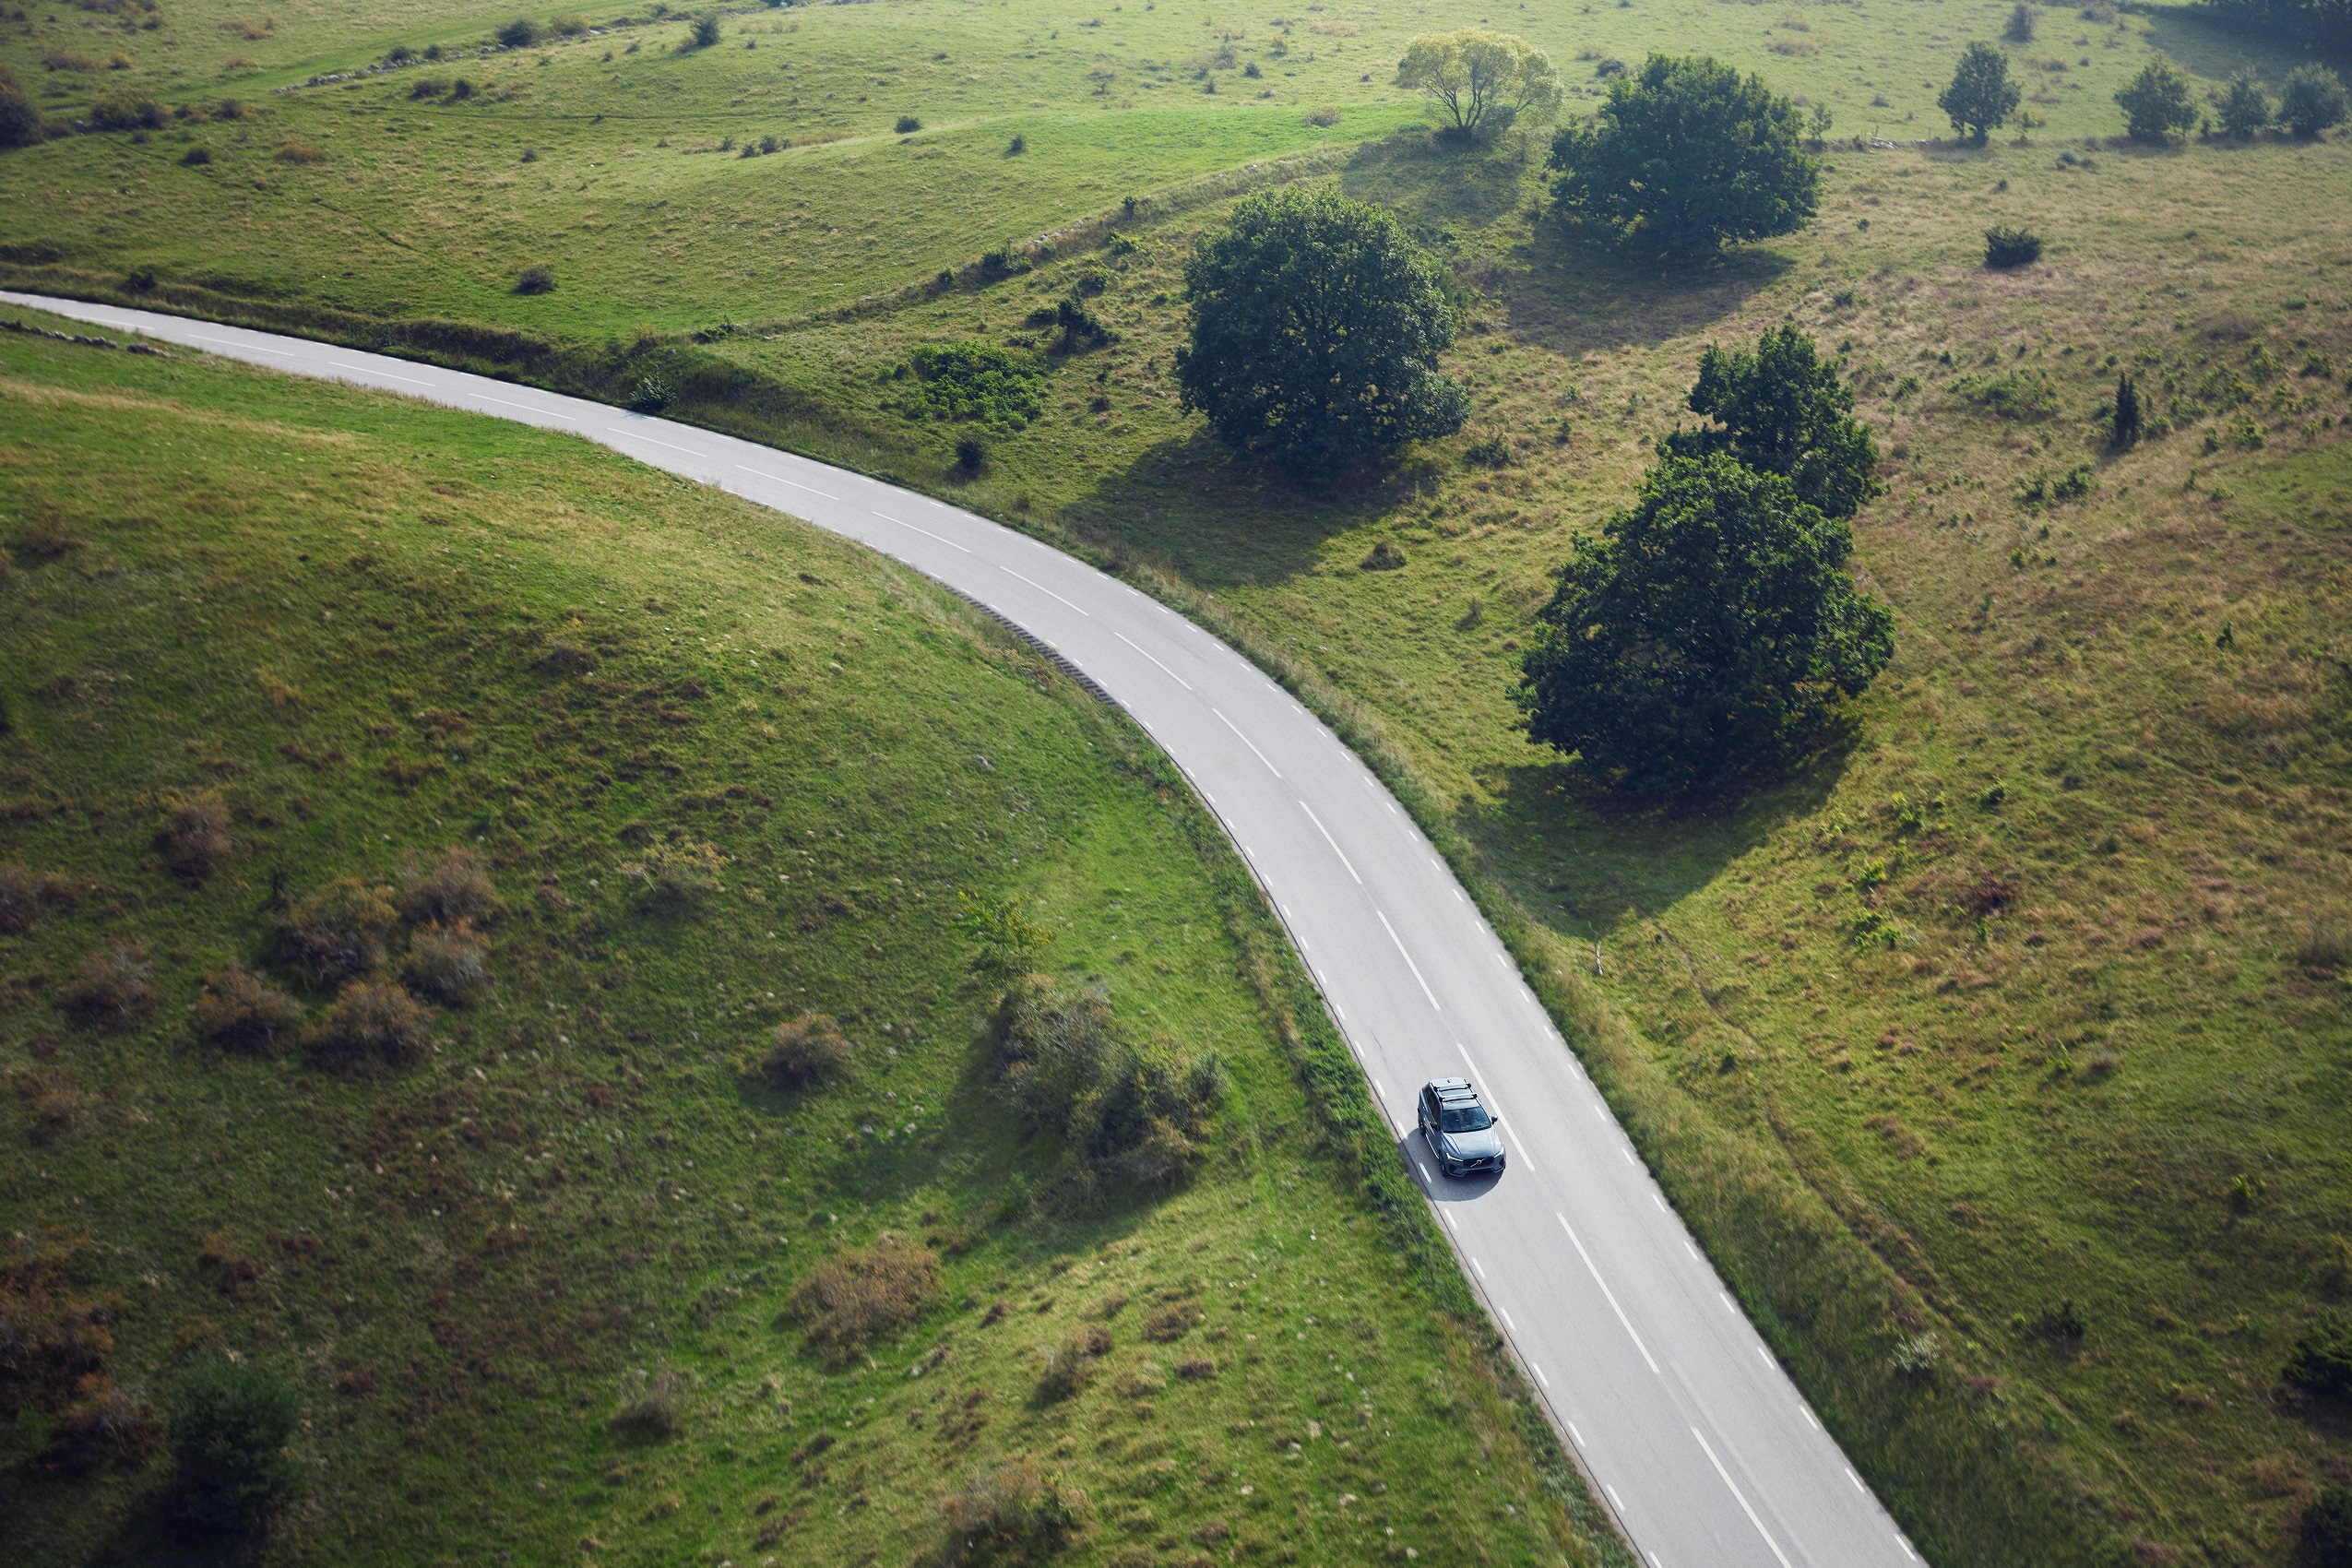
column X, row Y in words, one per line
column 1783, row 410
column 1483, row 80
column 1981, row 95
column 2312, row 100
column 1711, row 629
column 1685, row 156
column 1316, row 327
column 2243, row 108
column 2156, row 104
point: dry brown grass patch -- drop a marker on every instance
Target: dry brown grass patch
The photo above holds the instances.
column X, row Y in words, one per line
column 445, row 964
column 110, row 989
column 448, row 888
column 801, row 1051
column 194, row 839
column 340, row 931
column 849, row 1302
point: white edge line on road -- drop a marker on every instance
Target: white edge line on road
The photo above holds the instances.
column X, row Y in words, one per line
column 1245, row 740
column 779, row 479
column 1741, row 1498
column 550, row 413
column 1766, row 1357
column 233, row 343
column 1577, row 1437
column 632, row 435
column 1856, row 1479
column 1479, row 1267
column 1807, row 1411
column 1131, row 643
column 1325, row 832
column 371, row 370
column 1604, row 1291
column 1506, row 1317
column 1408, row 959
column 1049, row 593
column 1613, row 1497
column 884, row 516
column 1539, row 1377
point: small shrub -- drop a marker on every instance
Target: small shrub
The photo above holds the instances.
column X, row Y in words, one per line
column 110, row 989
column 374, row 1025
column 2312, row 101
column 1017, row 1512
column 652, row 1407
column 802, row 1052
column 241, row 1009
column 1070, row 1365
column 1492, row 452
column 24, row 892
column 2006, row 247
column 651, row 395
column 1918, row 1355
column 676, row 878
column 450, row 886
column 127, row 111
column 428, row 86
column 2062, row 1326
column 520, row 33
column 1383, row 556
column 2010, row 395
column 196, row 157
column 1018, row 146
column 2126, row 423
column 1169, row 1324
column 46, row 538
column 852, row 1299
column 53, row 1098
column 1199, row 1370
column 106, row 1429
column 231, row 1422
column 535, row 280
column 2021, row 24
column 300, row 152
column 194, row 839
column 340, row 931
column 445, row 964
column 21, row 121
column 461, row 90
column 2321, row 1363
column 908, row 125
column 1323, row 118
column 706, row 32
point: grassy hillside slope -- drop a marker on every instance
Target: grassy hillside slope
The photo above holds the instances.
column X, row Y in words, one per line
column 536, row 1292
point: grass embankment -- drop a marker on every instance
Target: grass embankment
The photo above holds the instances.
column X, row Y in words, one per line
column 537, row 1292
column 2088, row 1082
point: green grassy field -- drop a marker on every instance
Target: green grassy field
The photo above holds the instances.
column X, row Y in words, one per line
column 2017, row 1004
column 371, row 631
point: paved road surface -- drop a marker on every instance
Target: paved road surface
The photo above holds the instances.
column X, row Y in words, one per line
column 1704, row 1449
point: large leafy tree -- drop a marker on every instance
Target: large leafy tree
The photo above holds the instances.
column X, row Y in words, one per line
column 1711, row 630
column 1483, row 80
column 1686, row 155
column 2156, row 104
column 1316, row 328
column 1783, row 410
column 1981, row 95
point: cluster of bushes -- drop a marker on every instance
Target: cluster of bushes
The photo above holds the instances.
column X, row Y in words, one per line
column 2310, row 100
column 1119, row 1107
column 1017, row 1513
column 1713, row 631
column 431, row 88
column 339, row 938
column 972, row 380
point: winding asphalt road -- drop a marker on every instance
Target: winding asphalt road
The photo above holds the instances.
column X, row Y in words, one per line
column 1703, row 1448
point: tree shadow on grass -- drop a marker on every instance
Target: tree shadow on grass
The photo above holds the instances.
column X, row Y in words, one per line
column 1226, row 519
column 1437, row 186
column 1574, row 294
column 1586, row 863
column 2215, row 52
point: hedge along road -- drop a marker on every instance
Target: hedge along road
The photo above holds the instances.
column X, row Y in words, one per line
column 1704, row 1450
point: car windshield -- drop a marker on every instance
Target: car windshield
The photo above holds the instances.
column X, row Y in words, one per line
column 1464, row 1118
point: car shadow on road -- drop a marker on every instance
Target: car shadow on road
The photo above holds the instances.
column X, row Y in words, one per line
column 1443, row 1189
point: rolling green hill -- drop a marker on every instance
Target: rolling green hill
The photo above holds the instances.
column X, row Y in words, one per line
column 539, row 791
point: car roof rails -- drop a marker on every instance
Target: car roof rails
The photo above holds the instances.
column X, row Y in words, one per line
column 1450, row 1085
